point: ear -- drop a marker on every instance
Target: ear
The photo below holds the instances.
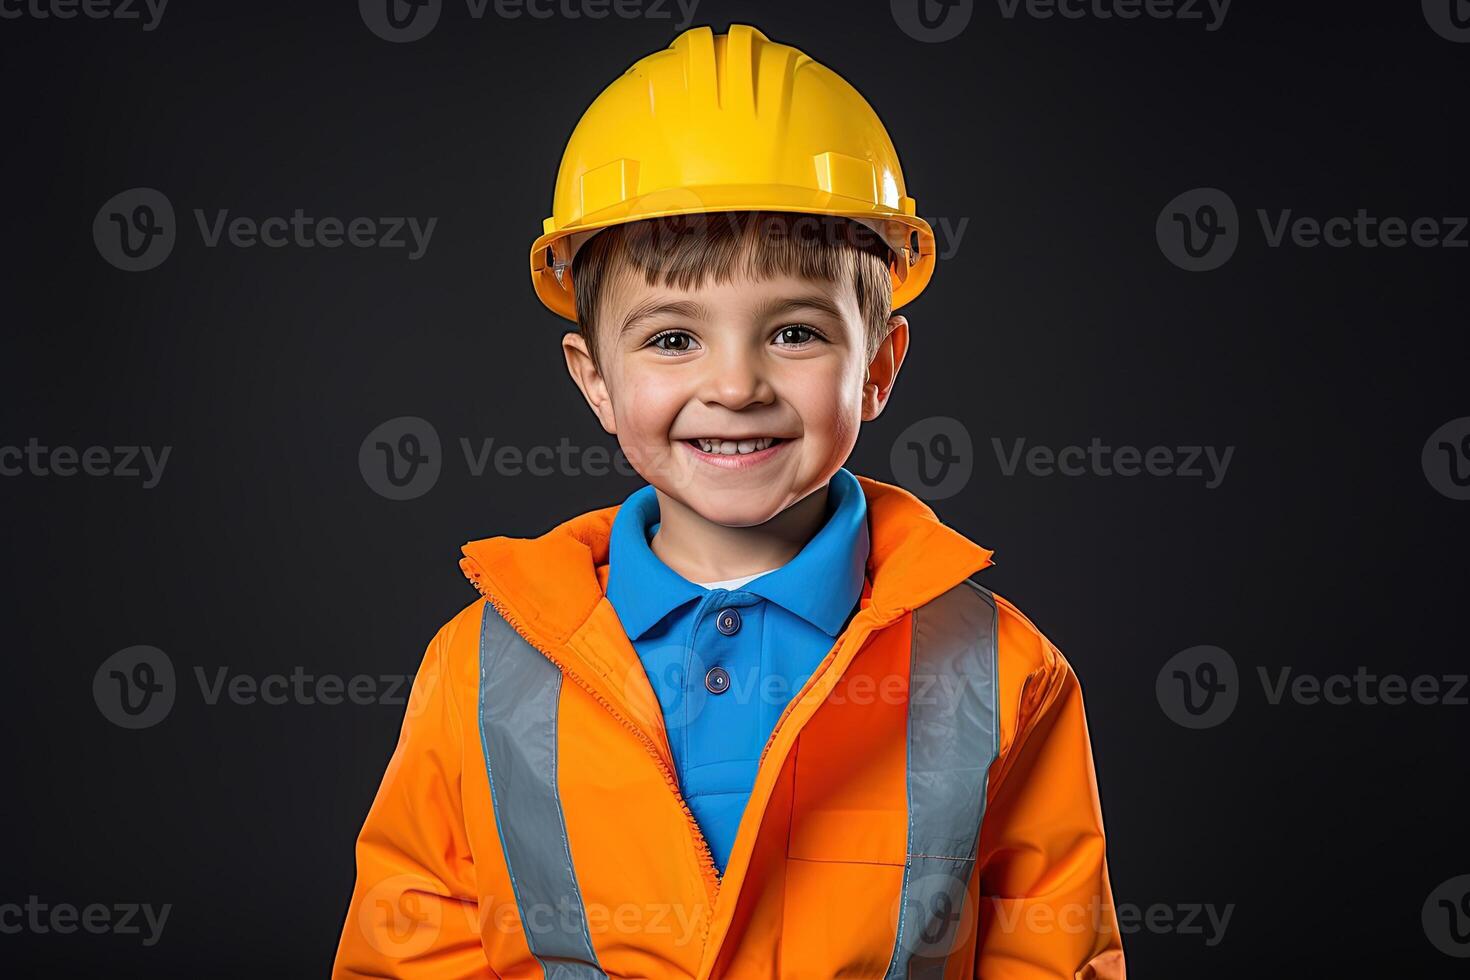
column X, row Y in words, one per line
column 589, row 379
column 883, row 371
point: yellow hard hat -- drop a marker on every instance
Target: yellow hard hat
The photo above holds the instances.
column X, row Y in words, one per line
column 728, row 122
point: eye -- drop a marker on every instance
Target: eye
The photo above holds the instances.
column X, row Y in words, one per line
column 674, row 336
column 794, row 334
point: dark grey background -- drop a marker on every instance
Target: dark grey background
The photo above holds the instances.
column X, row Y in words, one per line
column 1058, row 319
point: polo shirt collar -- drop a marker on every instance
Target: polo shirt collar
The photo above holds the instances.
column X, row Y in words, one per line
column 821, row 584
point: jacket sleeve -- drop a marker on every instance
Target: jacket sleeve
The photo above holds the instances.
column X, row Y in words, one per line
column 414, row 910
column 1046, row 907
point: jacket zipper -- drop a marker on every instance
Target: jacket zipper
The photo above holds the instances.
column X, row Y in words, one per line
column 707, row 868
column 812, row 682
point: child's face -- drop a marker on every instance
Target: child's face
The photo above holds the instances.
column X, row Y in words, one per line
column 780, row 358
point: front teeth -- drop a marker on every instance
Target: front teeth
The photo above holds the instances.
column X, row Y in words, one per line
column 728, row 447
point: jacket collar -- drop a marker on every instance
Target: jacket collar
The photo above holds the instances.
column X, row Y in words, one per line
column 821, row 584
column 554, row 583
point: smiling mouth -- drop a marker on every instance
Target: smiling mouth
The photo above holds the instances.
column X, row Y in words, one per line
column 734, row 447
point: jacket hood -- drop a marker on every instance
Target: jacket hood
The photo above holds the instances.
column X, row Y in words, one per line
column 554, row 582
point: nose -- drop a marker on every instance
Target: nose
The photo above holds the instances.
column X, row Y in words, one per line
column 736, row 379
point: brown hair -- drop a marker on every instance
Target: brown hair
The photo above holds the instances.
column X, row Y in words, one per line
column 685, row 250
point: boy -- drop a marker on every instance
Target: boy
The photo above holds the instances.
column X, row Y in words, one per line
column 758, row 720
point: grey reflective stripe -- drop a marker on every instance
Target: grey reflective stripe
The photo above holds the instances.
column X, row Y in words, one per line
column 953, row 737
column 520, row 694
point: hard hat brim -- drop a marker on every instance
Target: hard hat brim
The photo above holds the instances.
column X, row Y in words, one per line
column 909, row 237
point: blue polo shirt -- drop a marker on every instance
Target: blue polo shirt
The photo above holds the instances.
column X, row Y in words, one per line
column 724, row 662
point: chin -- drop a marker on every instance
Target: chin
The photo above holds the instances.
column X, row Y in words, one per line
column 738, row 517
column 737, row 507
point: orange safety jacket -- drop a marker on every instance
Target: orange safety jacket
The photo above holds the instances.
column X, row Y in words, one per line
column 925, row 807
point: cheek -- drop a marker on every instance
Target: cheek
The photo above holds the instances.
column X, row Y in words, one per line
column 648, row 405
column 832, row 406
column 846, row 422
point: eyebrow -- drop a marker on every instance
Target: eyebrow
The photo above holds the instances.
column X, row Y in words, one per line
column 683, row 308
column 809, row 301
